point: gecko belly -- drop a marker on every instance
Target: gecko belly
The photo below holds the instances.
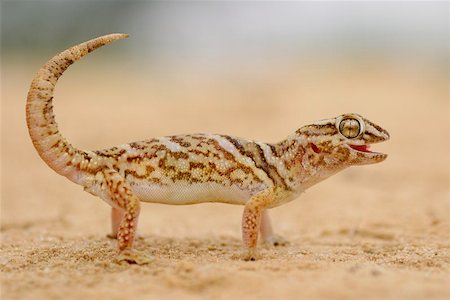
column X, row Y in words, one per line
column 192, row 193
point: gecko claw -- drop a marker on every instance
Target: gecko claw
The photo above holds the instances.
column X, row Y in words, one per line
column 276, row 240
column 251, row 255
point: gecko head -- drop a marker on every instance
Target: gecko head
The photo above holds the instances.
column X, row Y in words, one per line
column 343, row 141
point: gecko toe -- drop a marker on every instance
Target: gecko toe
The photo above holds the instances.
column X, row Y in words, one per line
column 276, row 240
column 251, row 255
column 112, row 236
column 133, row 257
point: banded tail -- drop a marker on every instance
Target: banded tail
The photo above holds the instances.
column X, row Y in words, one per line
column 51, row 146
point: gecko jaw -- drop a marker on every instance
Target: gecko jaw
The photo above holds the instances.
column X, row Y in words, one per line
column 366, row 150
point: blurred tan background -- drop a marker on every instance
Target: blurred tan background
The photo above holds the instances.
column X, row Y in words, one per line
column 257, row 70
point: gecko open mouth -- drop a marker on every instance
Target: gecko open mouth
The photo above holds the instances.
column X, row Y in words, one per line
column 361, row 148
column 365, row 155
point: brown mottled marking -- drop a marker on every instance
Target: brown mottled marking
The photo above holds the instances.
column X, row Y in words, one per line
column 270, row 170
column 230, row 157
column 320, row 129
column 178, row 155
column 236, row 144
column 193, row 165
column 180, row 141
column 199, row 137
column 137, row 146
column 254, row 152
column 274, row 150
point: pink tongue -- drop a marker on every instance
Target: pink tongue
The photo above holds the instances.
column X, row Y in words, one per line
column 362, row 148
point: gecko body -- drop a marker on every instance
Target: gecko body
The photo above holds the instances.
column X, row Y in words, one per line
column 196, row 168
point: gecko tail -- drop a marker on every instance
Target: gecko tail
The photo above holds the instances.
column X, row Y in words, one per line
column 51, row 146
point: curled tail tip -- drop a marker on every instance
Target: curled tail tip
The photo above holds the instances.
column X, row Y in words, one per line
column 100, row 41
column 123, row 35
column 118, row 35
column 115, row 36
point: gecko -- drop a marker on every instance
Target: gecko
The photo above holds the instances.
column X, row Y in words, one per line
column 196, row 168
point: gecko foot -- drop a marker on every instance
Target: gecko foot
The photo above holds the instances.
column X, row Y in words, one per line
column 251, row 255
column 111, row 236
column 114, row 236
column 134, row 257
column 276, row 240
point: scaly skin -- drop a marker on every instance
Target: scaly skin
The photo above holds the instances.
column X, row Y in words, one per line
column 196, row 168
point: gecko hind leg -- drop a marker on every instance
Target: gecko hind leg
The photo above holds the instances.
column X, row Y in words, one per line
column 267, row 234
column 117, row 215
column 122, row 196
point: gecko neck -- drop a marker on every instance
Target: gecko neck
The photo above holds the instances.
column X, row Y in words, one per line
column 305, row 166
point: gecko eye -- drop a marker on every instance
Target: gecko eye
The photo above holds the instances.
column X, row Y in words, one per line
column 350, row 128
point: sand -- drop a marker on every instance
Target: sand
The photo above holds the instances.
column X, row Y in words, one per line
column 373, row 232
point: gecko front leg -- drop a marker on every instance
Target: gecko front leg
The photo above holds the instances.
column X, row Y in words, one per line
column 251, row 221
column 128, row 208
column 267, row 234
